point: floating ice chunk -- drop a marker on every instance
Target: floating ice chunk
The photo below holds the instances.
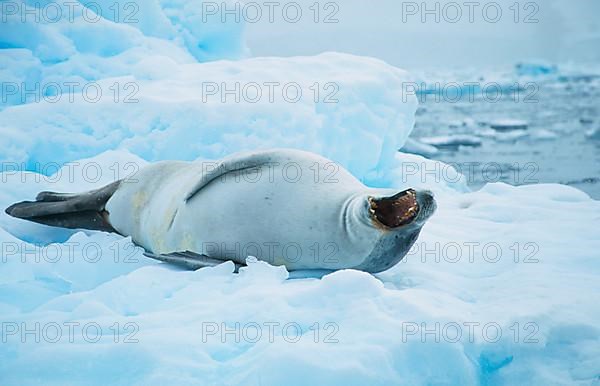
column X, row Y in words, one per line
column 415, row 147
column 536, row 68
column 453, row 141
column 509, row 124
column 593, row 134
column 455, row 124
column 502, row 136
column 543, row 134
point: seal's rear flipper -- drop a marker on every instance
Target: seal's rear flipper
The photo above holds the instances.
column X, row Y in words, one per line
column 188, row 260
column 74, row 211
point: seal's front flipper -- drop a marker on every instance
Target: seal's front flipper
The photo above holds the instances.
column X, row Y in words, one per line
column 188, row 260
column 74, row 211
column 236, row 163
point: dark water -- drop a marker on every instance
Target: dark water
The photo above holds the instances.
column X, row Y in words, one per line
column 554, row 147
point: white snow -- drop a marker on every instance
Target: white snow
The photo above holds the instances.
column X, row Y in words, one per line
column 86, row 308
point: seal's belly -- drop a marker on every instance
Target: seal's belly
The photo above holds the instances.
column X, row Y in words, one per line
column 284, row 221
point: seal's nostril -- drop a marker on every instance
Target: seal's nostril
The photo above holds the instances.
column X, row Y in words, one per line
column 427, row 203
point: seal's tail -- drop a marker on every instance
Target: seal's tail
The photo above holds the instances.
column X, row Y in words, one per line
column 74, row 211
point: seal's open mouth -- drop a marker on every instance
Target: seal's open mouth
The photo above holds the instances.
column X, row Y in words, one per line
column 395, row 211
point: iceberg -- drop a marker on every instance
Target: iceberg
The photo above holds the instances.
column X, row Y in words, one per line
column 213, row 109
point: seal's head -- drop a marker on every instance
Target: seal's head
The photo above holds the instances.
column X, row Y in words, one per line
column 398, row 219
column 405, row 209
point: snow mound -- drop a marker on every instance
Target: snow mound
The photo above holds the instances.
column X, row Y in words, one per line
column 498, row 288
column 213, row 109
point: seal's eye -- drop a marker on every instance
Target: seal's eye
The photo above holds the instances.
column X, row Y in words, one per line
column 395, row 211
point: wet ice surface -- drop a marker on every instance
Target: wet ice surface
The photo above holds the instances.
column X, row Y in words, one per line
column 544, row 133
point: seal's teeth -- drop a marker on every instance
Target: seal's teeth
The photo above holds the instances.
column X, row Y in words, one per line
column 372, row 206
column 394, row 211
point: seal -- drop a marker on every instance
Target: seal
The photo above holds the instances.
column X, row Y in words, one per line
column 283, row 206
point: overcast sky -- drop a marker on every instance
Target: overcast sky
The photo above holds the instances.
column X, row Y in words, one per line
column 558, row 31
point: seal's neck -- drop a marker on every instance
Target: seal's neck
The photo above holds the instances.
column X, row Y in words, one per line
column 355, row 215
